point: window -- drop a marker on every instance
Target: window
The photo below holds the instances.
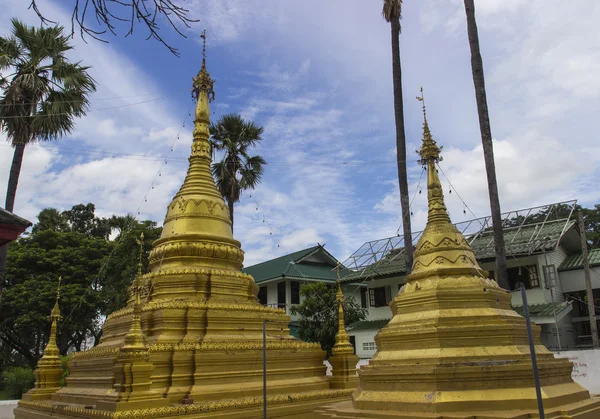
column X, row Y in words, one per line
column 550, row 276
column 525, row 274
column 295, row 286
column 281, row 294
column 369, row 346
column 534, row 278
column 377, row 297
column 262, row 295
column 363, row 297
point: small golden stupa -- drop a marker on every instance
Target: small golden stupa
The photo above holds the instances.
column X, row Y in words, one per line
column 455, row 348
column 189, row 344
column 49, row 368
column 343, row 360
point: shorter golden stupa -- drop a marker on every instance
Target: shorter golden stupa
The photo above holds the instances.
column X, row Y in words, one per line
column 455, row 349
column 343, row 360
column 49, row 368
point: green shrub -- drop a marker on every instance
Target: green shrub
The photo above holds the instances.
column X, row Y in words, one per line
column 64, row 360
column 16, row 381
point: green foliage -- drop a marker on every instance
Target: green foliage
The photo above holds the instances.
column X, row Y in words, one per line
column 237, row 171
column 16, row 381
column 591, row 219
column 96, row 275
column 64, row 362
column 318, row 311
column 42, row 92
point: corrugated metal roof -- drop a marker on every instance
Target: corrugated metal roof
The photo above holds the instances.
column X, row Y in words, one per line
column 576, row 261
column 368, row 325
column 541, row 310
column 527, row 239
column 293, row 265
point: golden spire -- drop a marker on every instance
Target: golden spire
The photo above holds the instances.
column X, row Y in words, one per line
column 342, row 340
column 135, row 340
column 197, row 228
column 51, row 349
column 430, row 155
column 441, row 248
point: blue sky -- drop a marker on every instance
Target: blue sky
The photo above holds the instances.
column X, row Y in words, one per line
column 317, row 76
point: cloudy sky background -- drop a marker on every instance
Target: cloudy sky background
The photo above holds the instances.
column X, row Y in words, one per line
column 317, row 76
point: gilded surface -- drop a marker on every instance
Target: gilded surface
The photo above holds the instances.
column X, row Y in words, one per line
column 190, row 339
column 454, row 347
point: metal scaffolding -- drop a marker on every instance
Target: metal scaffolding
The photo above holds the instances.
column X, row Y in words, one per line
column 526, row 231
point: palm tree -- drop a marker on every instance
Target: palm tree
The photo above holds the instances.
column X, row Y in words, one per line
column 237, row 171
column 42, row 94
column 488, row 148
column 392, row 13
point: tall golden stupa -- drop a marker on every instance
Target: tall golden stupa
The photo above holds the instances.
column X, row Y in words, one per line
column 455, row 348
column 192, row 346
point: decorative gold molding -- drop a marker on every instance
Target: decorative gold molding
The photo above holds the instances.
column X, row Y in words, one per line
column 233, row 345
column 190, row 409
column 196, row 304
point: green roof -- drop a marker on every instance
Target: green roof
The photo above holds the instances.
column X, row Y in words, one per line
column 293, row 265
column 368, row 325
column 540, row 310
column 527, row 239
column 576, row 261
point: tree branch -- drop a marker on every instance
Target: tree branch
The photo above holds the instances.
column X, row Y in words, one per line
column 144, row 12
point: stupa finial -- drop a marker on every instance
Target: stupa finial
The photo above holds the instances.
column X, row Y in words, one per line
column 203, row 81
column 203, row 36
column 342, row 340
column 430, row 155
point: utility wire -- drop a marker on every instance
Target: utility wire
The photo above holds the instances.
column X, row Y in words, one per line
column 91, row 110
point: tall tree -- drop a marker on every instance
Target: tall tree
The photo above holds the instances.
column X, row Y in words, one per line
column 42, row 94
column 96, row 276
column 488, row 147
column 319, row 315
column 392, row 12
column 237, row 170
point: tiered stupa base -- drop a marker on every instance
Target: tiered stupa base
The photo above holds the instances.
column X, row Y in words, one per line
column 218, row 374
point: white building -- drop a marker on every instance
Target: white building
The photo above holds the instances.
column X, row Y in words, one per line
column 280, row 279
column 538, row 241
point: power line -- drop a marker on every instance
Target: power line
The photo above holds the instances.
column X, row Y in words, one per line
column 78, row 101
column 91, row 110
column 123, row 234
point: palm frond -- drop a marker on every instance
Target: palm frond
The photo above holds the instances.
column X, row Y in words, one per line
column 392, row 9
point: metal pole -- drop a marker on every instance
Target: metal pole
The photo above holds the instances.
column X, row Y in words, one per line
column 588, row 284
column 551, row 286
column 264, row 369
column 536, row 376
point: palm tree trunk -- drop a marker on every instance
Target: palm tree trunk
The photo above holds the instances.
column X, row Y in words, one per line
column 486, row 140
column 11, row 193
column 230, row 203
column 401, row 143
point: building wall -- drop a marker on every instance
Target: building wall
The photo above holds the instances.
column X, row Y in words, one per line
column 364, row 339
column 561, row 339
column 349, row 291
column 574, row 280
column 385, row 312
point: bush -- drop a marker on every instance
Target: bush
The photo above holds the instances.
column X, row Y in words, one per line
column 64, row 360
column 16, row 381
